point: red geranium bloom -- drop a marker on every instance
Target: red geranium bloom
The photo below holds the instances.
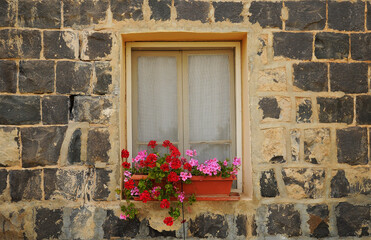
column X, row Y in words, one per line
column 166, row 143
column 145, row 196
column 164, row 167
column 174, row 151
column 125, row 153
column 151, row 160
column 129, row 184
column 175, row 163
column 165, row 203
column 168, row 159
column 126, row 165
column 152, row 144
column 168, row 221
column 187, row 166
column 173, row 177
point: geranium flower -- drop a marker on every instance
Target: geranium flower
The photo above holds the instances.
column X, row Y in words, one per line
column 125, row 153
column 151, row 160
column 185, row 176
column 189, row 153
column 122, row 216
column 187, row 166
column 237, row 161
column 165, row 167
column 152, row 144
column 225, row 163
column 134, row 191
column 181, row 196
column 193, row 162
column 174, row 152
column 175, row 163
column 168, row 221
column 173, row 177
column 145, row 196
column 127, row 174
column 166, row 143
column 165, row 203
column 125, row 165
column 129, row 184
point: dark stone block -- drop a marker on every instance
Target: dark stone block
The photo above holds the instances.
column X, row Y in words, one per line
column 48, row 223
column 254, row 227
column 270, row 107
column 17, row 110
column 277, row 159
column 92, row 109
column 102, row 179
column 27, row 44
column 311, row 76
column 3, row 180
column 349, row 77
column 293, row 45
column 39, row 13
column 61, row 44
column 103, row 72
column 330, row 45
column 81, row 13
column 127, row 9
column 335, row 110
column 241, row 221
column 74, row 148
column 284, row 219
column 339, row 185
column 304, row 112
column 368, row 16
column 153, row 233
column 352, row 146
column 97, row 45
column 186, row 10
column 36, row 76
column 41, row 145
column 363, row 109
column 346, row 16
column 268, row 184
column 55, row 109
column 115, row 227
column 25, row 185
column 160, row 9
column 306, row 15
column 98, row 145
column 73, row 77
column 80, row 220
column 213, row 225
column 352, row 220
column 231, row 11
column 361, row 46
column 267, row 14
column 8, row 75
column 318, row 221
column 8, row 10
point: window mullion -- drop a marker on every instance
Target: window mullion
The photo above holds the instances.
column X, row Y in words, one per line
column 185, row 93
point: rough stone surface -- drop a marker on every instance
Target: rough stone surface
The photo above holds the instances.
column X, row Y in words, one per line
column 115, row 227
column 102, row 179
column 311, row 76
column 9, row 11
column 283, row 219
column 55, row 109
column 304, row 182
column 318, row 221
column 61, row 44
column 330, row 45
column 352, row 181
column 103, row 72
column 98, row 145
column 36, row 76
column 3, row 180
column 8, row 75
column 349, row 77
column 361, row 46
column 41, row 145
column 73, row 77
column 96, row 46
column 317, row 145
column 295, row 144
column 205, row 225
column 272, row 80
column 9, row 151
column 267, row 14
column 186, row 10
column 80, row 225
column 293, row 45
column 352, row 146
column 346, row 16
column 268, row 184
column 274, row 147
column 303, row 110
column 25, row 185
column 153, row 233
column 306, row 15
column 74, row 148
column 39, row 13
column 127, row 9
column 363, row 109
column 241, row 221
column 48, row 223
column 16, row 43
column 228, row 11
column 353, row 220
column 368, row 16
column 335, row 110
column 92, row 109
column 339, row 185
column 64, row 184
column 269, row 106
column 18, row 110
column 160, row 9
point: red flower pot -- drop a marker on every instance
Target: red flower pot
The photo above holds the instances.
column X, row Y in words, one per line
column 209, row 185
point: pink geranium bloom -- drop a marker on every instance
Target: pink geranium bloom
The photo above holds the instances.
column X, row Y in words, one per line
column 189, row 153
column 225, row 163
column 237, row 161
column 122, row 216
column 185, row 175
column 193, row 162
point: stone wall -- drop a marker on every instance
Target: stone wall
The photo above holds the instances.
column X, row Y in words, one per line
column 310, row 108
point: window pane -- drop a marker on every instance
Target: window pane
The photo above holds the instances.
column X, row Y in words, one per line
column 209, row 97
column 157, row 98
column 211, row 151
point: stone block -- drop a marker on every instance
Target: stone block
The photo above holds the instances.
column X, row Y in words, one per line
column 268, row 184
column 363, row 109
column 18, row 110
column 186, row 10
column 13, row 221
column 272, row 80
column 335, row 110
column 352, row 145
column 153, row 233
column 9, row 13
column 9, row 151
column 98, row 145
column 346, row 16
column 306, row 15
column 48, row 223
column 103, row 73
column 368, row 16
column 241, row 221
column 55, row 109
column 25, row 185
column 127, row 9
column 3, row 180
column 267, row 14
column 74, row 148
column 209, row 225
column 304, row 182
column 228, row 11
column 15, row 43
column 330, row 45
column 310, row 76
column 8, row 75
column 339, row 185
column 349, row 77
column 61, row 44
column 318, row 221
column 361, row 46
column 353, row 181
column 115, row 227
column 353, row 220
column 77, row 14
column 96, row 46
column 36, row 76
column 81, row 224
column 274, row 145
column 304, row 110
column 73, row 77
column 160, row 9
column 41, row 145
column 275, row 109
column 39, row 13
column 283, row 219
column 102, row 179
column 293, row 45
column 92, row 109
column 295, row 144
column 317, row 145
column 63, row 184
